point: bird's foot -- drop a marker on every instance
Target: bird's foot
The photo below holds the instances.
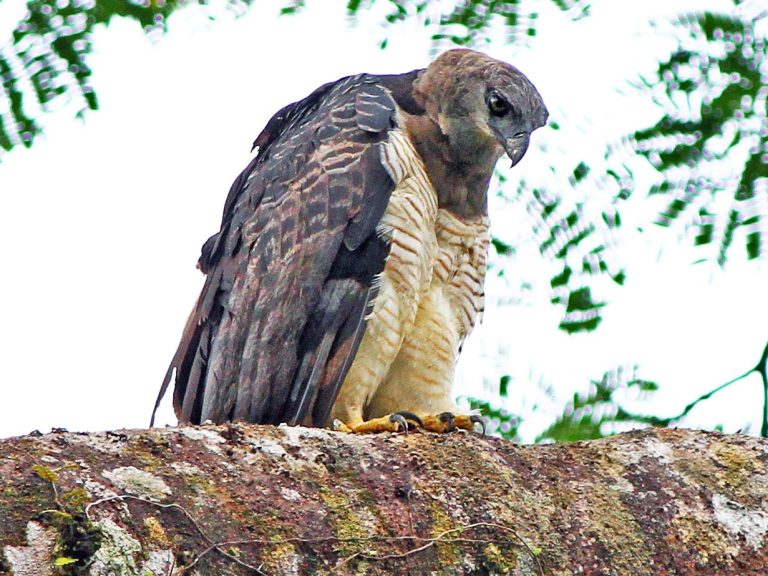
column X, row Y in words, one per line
column 395, row 422
column 448, row 422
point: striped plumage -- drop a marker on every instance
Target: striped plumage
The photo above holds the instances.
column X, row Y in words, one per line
column 350, row 262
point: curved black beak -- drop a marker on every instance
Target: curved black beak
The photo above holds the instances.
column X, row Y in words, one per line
column 516, row 146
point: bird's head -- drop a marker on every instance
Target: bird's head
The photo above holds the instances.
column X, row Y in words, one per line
column 483, row 106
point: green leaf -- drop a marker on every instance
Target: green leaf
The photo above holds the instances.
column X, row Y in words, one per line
column 504, row 385
column 353, row 6
column 502, row 248
column 46, row 473
column 474, row 22
column 714, row 103
column 56, row 516
column 562, row 278
column 590, row 415
column 573, row 323
column 754, row 245
column 50, row 47
column 579, row 173
column 725, row 243
column 581, row 299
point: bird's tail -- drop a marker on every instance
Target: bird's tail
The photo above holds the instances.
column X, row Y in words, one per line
column 180, row 364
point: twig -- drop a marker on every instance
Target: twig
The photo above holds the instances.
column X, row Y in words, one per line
column 347, row 560
column 173, row 505
column 124, row 497
column 172, row 566
column 427, row 542
column 708, row 395
column 761, row 368
column 441, row 538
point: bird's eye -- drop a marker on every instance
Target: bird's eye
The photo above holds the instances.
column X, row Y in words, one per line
column 497, row 104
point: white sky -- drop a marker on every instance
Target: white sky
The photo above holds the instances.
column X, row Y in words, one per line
column 101, row 221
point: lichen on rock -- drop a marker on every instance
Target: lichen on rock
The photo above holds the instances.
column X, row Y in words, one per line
column 138, row 482
column 35, row 558
column 315, row 502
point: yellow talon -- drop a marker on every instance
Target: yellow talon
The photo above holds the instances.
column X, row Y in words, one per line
column 395, row 422
column 448, row 422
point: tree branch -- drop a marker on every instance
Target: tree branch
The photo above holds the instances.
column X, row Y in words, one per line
column 760, row 368
column 237, row 500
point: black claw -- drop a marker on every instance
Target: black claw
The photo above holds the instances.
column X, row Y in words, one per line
column 449, row 419
column 402, row 423
column 475, row 419
column 412, row 417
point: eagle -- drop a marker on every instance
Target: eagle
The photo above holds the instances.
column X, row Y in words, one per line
column 350, row 262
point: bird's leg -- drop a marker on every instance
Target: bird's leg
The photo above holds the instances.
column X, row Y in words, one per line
column 395, row 422
column 448, row 422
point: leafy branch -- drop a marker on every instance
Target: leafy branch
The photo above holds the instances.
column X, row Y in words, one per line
column 465, row 23
column 586, row 416
column 78, row 539
column 712, row 139
column 46, row 59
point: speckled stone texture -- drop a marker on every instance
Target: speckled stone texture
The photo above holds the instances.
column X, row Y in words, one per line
column 312, row 502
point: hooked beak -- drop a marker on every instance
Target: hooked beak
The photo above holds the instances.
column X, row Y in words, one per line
column 516, row 146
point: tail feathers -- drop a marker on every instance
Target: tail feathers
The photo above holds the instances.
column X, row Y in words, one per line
column 336, row 303
column 163, row 389
column 186, row 388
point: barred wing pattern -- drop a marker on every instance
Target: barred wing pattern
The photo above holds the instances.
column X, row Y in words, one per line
column 290, row 275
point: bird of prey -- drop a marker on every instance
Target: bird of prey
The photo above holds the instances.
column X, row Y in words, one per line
column 350, row 262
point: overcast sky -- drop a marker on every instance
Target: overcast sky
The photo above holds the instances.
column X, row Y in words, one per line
column 101, row 222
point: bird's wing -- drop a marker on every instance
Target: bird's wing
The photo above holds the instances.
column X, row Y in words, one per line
column 291, row 274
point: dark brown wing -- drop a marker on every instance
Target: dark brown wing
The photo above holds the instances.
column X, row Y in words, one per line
column 291, row 273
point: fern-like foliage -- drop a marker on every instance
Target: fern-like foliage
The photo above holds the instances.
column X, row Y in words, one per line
column 575, row 222
column 470, row 22
column 711, row 146
column 580, row 241
column 46, row 60
column 597, row 413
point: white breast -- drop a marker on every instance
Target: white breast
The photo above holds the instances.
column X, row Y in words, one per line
column 461, row 265
column 431, row 292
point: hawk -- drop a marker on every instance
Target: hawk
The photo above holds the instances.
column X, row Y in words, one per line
column 350, row 262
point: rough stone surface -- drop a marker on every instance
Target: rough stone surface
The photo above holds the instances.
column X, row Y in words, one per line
column 315, row 502
column 33, row 558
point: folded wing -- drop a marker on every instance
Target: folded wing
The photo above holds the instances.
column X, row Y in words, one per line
column 291, row 274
